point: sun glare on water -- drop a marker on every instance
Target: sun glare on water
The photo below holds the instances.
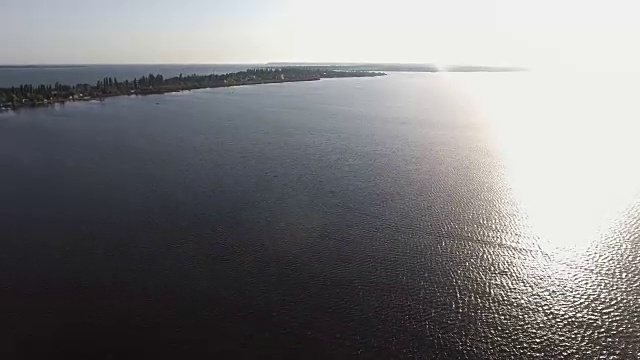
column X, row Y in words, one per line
column 568, row 151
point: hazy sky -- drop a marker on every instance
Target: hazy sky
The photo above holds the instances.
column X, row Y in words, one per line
column 501, row 32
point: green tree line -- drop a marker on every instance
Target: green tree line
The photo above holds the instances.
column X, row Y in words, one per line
column 149, row 84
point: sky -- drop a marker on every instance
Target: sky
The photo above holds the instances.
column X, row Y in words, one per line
column 536, row 34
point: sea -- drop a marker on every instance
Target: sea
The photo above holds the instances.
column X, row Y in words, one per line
column 421, row 216
column 90, row 74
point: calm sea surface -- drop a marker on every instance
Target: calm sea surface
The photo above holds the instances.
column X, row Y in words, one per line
column 91, row 73
column 411, row 216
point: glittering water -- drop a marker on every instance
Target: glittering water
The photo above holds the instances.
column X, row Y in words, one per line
column 415, row 215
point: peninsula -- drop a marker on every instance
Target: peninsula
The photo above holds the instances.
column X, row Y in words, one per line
column 29, row 95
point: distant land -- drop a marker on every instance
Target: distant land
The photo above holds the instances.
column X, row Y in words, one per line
column 397, row 67
column 41, row 66
column 360, row 66
column 30, row 95
column 407, row 67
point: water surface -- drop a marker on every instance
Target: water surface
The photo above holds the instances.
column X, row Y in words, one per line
column 413, row 215
column 90, row 74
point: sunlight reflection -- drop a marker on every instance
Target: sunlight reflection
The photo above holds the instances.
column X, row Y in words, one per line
column 569, row 159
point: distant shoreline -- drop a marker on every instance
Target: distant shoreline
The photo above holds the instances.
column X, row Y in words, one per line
column 399, row 67
column 147, row 93
column 27, row 96
column 11, row 67
column 155, row 92
column 152, row 92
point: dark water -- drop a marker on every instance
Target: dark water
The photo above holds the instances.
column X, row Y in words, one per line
column 412, row 216
column 91, row 73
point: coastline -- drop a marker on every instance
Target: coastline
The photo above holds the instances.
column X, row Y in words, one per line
column 28, row 95
column 158, row 91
